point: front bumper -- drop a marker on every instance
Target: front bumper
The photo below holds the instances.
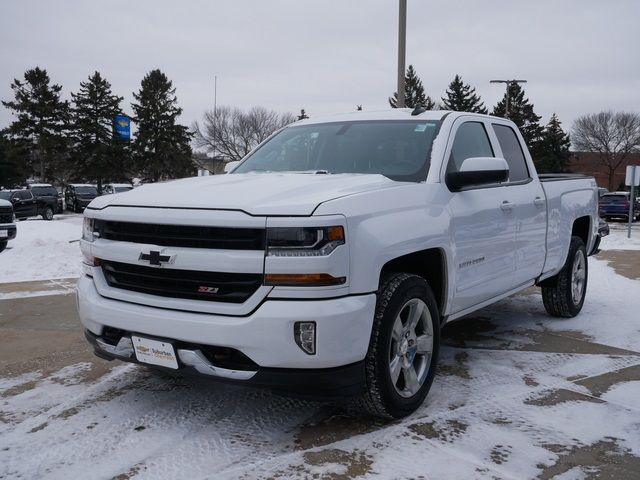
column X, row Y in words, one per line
column 266, row 336
column 11, row 230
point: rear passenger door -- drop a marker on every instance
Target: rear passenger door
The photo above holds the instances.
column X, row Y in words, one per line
column 483, row 233
column 529, row 205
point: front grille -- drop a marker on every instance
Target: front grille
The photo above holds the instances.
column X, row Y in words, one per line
column 182, row 235
column 6, row 215
column 191, row 284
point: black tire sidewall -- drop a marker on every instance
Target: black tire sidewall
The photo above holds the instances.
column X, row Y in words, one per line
column 46, row 215
column 412, row 287
column 3, row 245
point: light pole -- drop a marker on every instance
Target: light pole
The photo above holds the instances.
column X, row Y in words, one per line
column 509, row 83
column 402, row 46
column 215, row 107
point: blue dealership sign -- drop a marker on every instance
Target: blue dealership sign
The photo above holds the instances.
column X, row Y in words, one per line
column 122, row 127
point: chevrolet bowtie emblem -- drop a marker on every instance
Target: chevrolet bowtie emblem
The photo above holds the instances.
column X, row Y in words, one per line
column 155, row 258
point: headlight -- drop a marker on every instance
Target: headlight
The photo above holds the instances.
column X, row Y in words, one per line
column 303, row 241
column 87, row 230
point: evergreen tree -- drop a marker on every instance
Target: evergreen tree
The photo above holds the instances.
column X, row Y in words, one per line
column 99, row 156
column 10, row 173
column 553, row 154
column 37, row 137
column 413, row 92
column 161, row 146
column 461, row 97
column 521, row 113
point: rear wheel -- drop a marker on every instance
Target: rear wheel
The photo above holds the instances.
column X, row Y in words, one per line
column 48, row 213
column 563, row 294
column 403, row 351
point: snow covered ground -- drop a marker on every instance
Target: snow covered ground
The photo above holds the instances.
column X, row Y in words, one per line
column 518, row 395
column 42, row 250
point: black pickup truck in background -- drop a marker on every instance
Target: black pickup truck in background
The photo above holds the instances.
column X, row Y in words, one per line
column 47, row 195
column 26, row 205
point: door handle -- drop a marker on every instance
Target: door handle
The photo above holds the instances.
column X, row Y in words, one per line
column 506, row 206
column 538, row 201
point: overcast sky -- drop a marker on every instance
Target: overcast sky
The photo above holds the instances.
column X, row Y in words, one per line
column 579, row 56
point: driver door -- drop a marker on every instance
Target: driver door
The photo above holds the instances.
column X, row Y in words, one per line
column 483, row 232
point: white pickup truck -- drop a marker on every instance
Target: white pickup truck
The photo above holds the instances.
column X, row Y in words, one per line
column 327, row 261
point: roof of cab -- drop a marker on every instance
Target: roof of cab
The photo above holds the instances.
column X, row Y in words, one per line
column 388, row 114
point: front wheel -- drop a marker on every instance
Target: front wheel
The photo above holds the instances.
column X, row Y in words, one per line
column 3, row 245
column 563, row 294
column 403, row 351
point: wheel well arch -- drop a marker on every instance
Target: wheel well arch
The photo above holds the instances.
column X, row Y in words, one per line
column 430, row 264
column 582, row 228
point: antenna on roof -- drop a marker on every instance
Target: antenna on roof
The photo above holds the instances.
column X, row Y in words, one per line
column 418, row 110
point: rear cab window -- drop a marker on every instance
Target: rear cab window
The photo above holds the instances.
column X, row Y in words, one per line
column 512, row 152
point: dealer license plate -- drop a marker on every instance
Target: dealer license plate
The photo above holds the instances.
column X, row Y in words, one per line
column 154, row 352
column 4, row 234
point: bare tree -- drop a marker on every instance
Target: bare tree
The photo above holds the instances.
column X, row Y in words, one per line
column 612, row 136
column 232, row 133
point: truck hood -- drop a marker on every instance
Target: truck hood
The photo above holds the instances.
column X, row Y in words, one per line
column 5, row 203
column 256, row 194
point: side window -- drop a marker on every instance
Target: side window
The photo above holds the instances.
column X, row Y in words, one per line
column 24, row 195
column 471, row 141
column 512, row 151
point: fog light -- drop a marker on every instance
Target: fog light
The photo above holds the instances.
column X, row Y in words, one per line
column 304, row 334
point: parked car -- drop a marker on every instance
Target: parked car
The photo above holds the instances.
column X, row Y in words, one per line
column 328, row 260
column 616, row 205
column 7, row 227
column 47, row 194
column 110, row 188
column 78, row 195
column 25, row 205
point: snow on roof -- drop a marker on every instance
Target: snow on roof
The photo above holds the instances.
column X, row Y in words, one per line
column 40, row 185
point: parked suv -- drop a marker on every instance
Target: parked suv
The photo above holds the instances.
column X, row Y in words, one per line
column 7, row 227
column 78, row 195
column 48, row 197
column 616, row 205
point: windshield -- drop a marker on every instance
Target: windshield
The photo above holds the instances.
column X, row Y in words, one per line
column 122, row 189
column 44, row 191
column 87, row 190
column 5, row 195
column 399, row 150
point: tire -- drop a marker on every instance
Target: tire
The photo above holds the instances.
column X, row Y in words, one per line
column 3, row 245
column 76, row 208
column 47, row 214
column 563, row 294
column 400, row 295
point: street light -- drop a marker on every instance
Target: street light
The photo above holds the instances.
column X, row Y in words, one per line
column 402, row 45
column 509, row 83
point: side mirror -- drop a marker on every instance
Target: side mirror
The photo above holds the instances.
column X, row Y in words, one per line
column 15, row 200
column 229, row 166
column 478, row 171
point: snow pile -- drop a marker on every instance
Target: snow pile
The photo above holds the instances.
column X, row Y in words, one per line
column 41, row 250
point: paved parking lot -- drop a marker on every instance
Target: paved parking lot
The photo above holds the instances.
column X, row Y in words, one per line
column 517, row 395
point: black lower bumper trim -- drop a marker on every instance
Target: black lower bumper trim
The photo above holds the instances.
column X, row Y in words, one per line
column 320, row 384
column 11, row 232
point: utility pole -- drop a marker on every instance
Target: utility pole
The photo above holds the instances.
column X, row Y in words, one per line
column 509, row 83
column 402, row 47
column 215, row 119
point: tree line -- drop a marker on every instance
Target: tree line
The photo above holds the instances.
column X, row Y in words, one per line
column 611, row 136
column 62, row 141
